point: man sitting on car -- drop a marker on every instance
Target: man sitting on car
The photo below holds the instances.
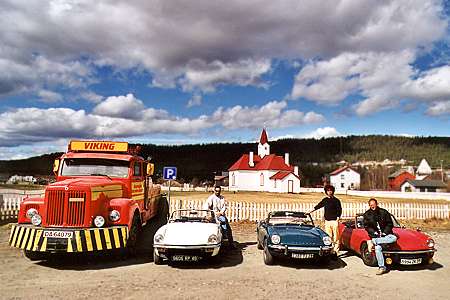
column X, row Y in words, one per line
column 216, row 202
column 378, row 224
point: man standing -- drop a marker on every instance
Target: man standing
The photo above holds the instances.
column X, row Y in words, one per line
column 332, row 213
column 378, row 224
column 216, row 202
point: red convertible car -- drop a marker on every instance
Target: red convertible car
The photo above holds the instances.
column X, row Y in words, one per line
column 412, row 247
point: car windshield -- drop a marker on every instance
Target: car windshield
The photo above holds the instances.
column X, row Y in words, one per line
column 95, row 167
column 290, row 217
column 193, row 215
column 395, row 222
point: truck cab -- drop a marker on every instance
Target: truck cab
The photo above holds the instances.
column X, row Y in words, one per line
column 102, row 197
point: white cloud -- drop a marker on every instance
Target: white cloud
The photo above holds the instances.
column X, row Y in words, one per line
column 324, row 132
column 169, row 38
column 439, row 108
column 383, row 79
column 127, row 107
column 49, row 96
column 206, row 77
column 92, row 97
column 272, row 114
column 196, row 100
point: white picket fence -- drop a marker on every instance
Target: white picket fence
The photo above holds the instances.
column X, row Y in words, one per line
column 238, row 211
column 10, row 202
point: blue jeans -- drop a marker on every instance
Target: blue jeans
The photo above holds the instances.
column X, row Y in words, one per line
column 226, row 228
column 388, row 239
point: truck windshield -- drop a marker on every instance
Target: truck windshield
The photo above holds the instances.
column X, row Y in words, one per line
column 95, row 167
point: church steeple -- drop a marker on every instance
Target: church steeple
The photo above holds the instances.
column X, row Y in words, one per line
column 263, row 146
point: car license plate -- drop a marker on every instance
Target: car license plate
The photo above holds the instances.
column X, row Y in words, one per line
column 185, row 258
column 412, row 261
column 302, row 255
column 58, row 234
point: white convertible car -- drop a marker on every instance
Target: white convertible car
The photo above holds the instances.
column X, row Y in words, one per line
column 190, row 235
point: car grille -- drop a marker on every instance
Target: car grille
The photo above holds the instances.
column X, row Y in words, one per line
column 65, row 208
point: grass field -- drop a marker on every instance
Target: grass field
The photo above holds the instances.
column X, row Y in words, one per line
column 264, row 197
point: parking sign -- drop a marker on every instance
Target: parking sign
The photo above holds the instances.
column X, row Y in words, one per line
column 170, row 173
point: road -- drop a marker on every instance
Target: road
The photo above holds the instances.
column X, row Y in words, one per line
column 241, row 274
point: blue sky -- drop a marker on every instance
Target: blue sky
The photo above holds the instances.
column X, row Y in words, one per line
column 176, row 72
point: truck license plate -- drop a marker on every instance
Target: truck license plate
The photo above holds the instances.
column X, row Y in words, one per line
column 58, row 234
column 185, row 258
column 412, row 261
column 302, row 255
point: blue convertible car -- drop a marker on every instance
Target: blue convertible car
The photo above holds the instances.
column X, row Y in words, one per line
column 293, row 235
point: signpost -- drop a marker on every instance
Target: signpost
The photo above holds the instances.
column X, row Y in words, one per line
column 169, row 173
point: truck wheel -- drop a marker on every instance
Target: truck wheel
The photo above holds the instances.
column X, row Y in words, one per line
column 156, row 258
column 268, row 258
column 368, row 258
column 134, row 236
column 33, row 255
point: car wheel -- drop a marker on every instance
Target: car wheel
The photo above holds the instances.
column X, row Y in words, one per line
column 133, row 236
column 33, row 255
column 156, row 258
column 268, row 258
column 368, row 258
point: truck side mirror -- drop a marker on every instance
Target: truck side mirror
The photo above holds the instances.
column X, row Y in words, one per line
column 150, row 169
column 56, row 166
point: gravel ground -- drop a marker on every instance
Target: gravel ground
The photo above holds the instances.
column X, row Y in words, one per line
column 239, row 274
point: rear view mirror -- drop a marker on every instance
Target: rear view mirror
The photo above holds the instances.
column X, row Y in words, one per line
column 56, row 166
column 150, row 169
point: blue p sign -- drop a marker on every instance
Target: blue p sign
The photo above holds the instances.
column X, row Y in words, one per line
column 170, row 173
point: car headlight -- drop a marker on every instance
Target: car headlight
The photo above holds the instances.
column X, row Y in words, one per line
column 158, row 238
column 213, row 239
column 275, row 239
column 99, row 221
column 430, row 243
column 31, row 212
column 36, row 219
column 114, row 215
column 327, row 240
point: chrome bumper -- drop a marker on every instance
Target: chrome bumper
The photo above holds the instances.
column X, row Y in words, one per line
column 409, row 252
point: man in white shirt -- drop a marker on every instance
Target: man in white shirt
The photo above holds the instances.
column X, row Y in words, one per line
column 216, row 202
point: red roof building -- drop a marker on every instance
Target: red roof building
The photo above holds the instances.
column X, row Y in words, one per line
column 396, row 179
column 264, row 171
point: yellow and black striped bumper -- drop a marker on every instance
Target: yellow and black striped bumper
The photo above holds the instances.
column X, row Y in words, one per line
column 31, row 238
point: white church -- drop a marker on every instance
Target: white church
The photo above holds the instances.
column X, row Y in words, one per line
column 264, row 172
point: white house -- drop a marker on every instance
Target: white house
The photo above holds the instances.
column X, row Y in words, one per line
column 345, row 178
column 423, row 186
column 264, row 172
column 423, row 170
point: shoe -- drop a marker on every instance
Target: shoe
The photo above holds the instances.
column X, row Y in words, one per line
column 381, row 271
column 231, row 246
column 369, row 245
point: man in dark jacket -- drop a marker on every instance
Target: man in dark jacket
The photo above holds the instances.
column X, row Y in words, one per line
column 378, row 224
column 332, row 213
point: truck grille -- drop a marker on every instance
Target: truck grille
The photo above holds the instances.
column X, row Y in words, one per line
column 65, row 208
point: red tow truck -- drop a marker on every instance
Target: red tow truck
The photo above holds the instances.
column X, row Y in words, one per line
column 102, row 197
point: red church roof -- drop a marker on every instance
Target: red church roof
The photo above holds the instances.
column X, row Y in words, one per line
column 263, row 138
column 282, row 174
column 268, row 162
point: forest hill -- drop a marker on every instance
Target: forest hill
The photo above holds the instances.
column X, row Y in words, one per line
column 314, row 157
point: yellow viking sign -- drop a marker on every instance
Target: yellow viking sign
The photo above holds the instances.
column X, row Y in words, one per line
column 99, row 146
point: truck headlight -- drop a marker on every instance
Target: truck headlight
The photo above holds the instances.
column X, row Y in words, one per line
column 430, row 243
column 31, row 212
column 213, row 239
column 275, row 239
column 158, row 238
column 99, row 221
column 114, row 215
column 327, row 241
column 36, row 219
